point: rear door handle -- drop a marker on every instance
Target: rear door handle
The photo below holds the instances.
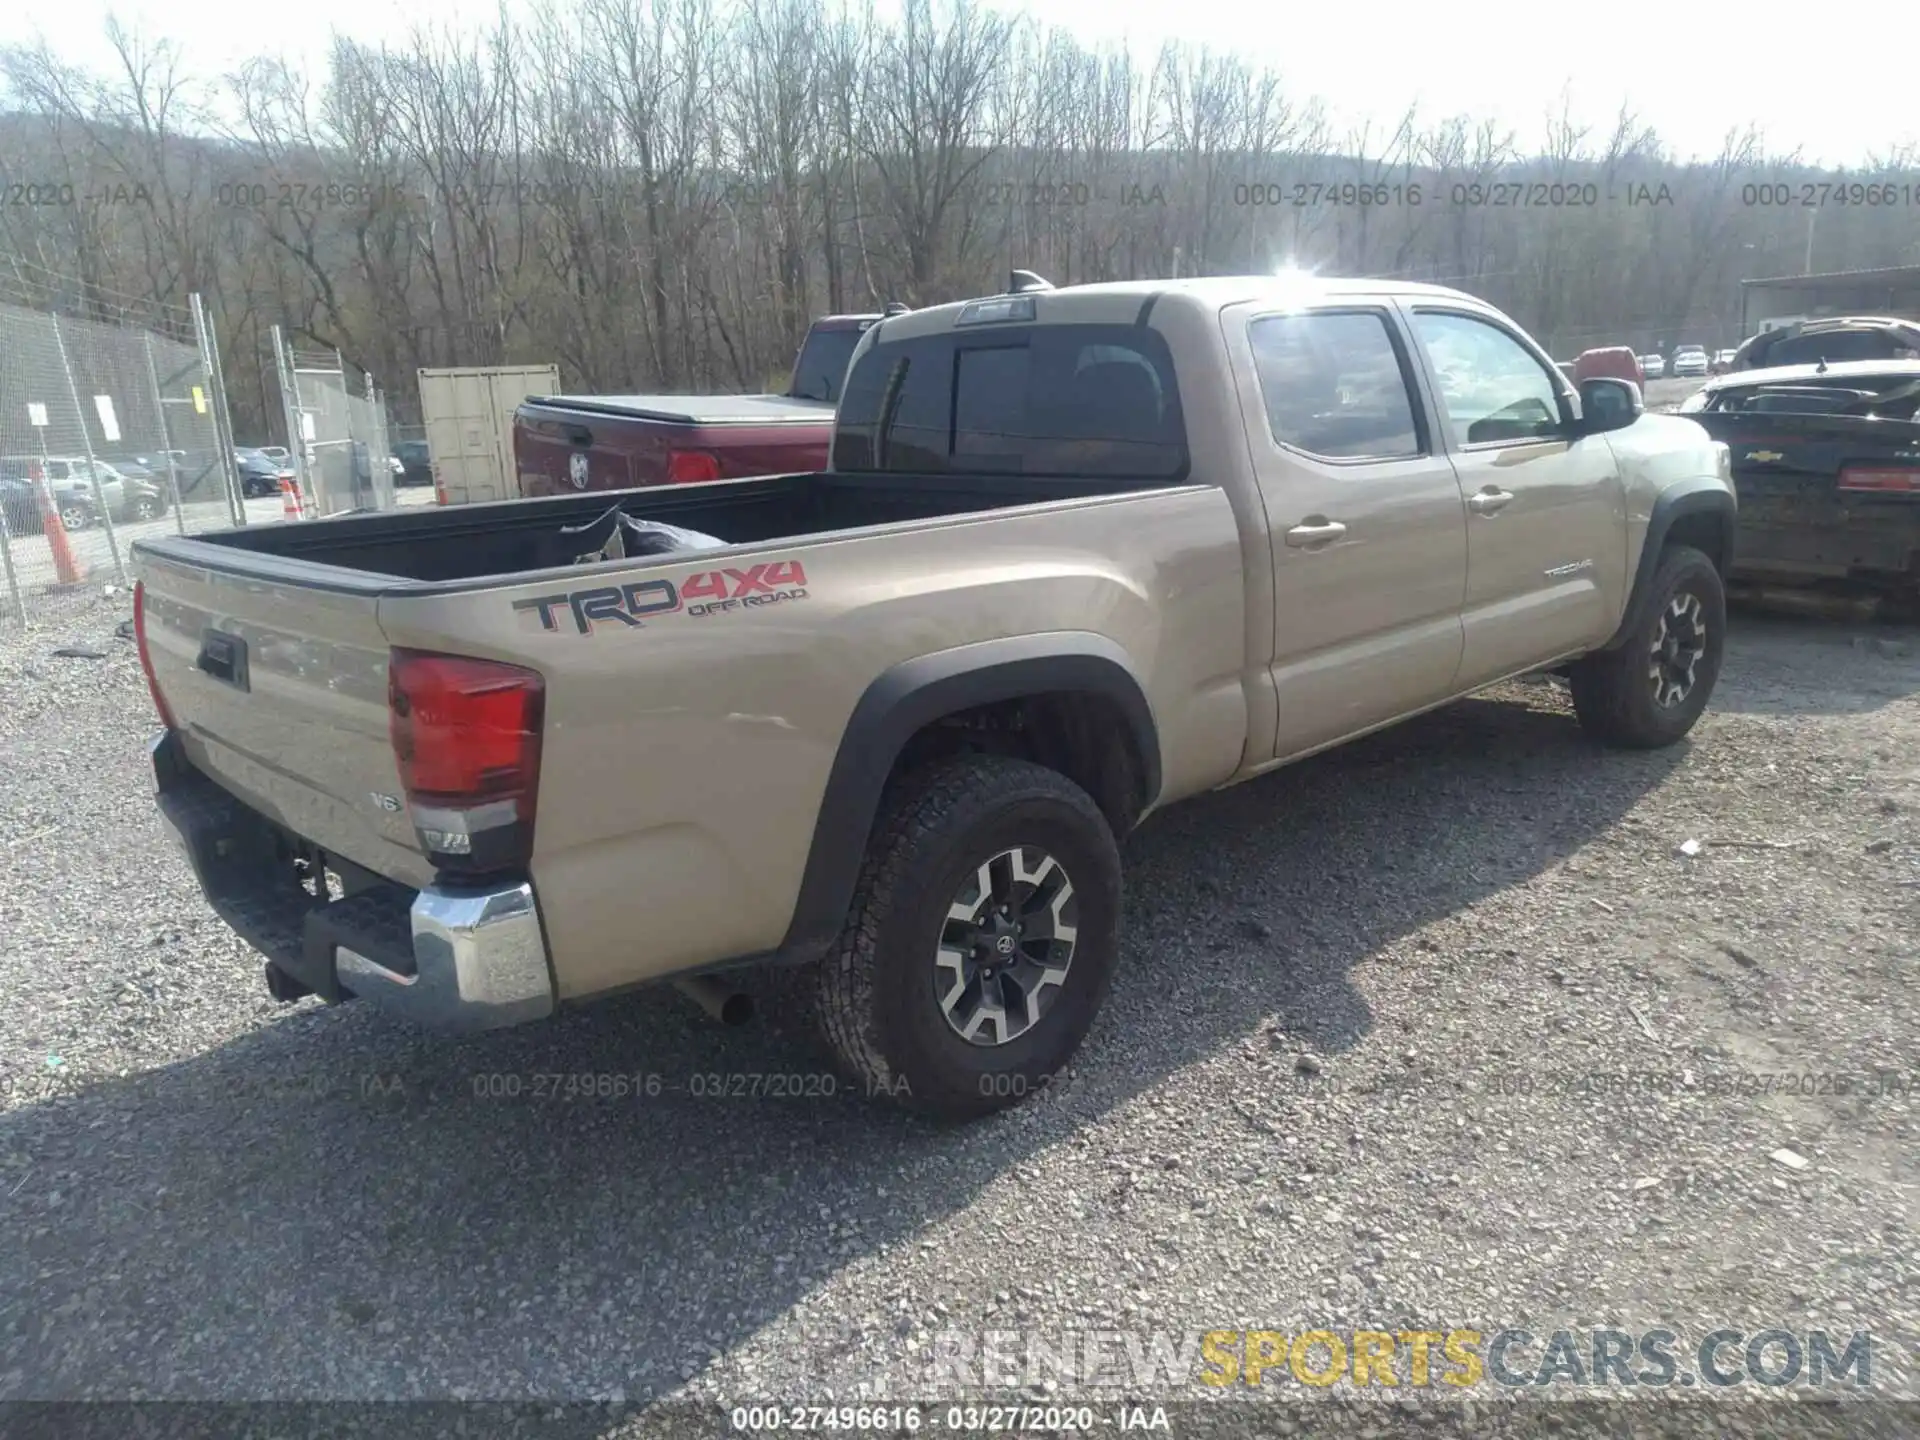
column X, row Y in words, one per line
column 1489, row 500
column 1315, row 531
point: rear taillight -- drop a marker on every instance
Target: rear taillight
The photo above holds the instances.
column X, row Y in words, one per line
column 146, row 655
column 1880, row 479
column 691, row 467
column 466, row 733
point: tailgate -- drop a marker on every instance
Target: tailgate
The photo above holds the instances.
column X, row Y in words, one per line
column 615, row 452
column 563, row 446
column 1795, row 515
column 279, row 693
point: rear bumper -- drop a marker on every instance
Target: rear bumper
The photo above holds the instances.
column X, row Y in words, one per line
column 1797, row 538
column 447, row 958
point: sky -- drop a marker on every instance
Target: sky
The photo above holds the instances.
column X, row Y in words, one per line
column 1693, row 71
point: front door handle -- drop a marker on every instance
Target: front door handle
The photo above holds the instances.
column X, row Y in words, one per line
column 1489, row 500
column 1315, row 531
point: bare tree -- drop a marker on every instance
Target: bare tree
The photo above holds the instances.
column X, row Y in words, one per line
column 660, row 193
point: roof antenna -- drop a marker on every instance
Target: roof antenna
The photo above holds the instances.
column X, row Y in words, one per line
column 1821, row 368
column 1025, row 281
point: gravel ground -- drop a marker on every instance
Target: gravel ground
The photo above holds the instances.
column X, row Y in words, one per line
column 1666, row 394
column 1344, row 1080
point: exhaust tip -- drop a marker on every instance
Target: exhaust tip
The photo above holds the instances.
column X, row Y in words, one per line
column 719, row 999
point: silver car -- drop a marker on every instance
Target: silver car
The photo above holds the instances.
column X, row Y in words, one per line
column 77, row 496
column 1690, row 360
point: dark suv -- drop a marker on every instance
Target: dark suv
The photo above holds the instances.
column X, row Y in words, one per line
column 1832, row 340
column 417, row 461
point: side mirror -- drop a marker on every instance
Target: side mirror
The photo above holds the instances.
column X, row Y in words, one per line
column 1608, row 404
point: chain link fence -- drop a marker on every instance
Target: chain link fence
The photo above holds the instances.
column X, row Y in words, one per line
column 338, row 432
column 111, row 430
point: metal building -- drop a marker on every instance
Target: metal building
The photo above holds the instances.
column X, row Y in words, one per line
column 1769, row 303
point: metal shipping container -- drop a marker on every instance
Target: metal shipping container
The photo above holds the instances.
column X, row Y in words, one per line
column 469, row 421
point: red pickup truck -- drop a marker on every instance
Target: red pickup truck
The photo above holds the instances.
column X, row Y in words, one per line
column 566, row 443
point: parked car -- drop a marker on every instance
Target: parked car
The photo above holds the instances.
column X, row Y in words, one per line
column 137, row 467
column 277, row 453
column 75, row 493
column 197, row 473
column 564, row 443
column 1615, row 360
column 889, row 722
column 1826, row 460
column 416, row 463
column 1653, row 366
column 1689, row 361
column 1723, row 361
column 260, row 474
column 1834, row 339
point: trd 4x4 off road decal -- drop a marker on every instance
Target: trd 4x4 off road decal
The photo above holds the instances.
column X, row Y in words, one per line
column 710, row 592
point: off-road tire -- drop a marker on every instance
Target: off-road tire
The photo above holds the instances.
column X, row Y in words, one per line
column 1613, row 693
column 874, row 994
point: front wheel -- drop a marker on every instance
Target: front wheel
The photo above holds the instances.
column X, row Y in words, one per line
column 145, row 507
column 981, row 940
column 1652, row 689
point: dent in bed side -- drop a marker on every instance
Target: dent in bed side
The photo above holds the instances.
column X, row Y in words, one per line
column 1701, row 509
column 918, row 692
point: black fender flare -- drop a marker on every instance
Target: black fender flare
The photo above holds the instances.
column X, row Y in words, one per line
column 1703, row 496
column 911, row 695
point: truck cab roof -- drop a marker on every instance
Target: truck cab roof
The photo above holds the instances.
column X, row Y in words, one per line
column 1124, row 301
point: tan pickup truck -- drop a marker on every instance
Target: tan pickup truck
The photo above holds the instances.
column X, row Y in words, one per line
column 1081, row 552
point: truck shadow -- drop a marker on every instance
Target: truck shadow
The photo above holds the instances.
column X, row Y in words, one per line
column 389, row 1214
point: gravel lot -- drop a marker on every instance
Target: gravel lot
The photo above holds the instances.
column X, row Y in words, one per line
column 1666, row 394
column 1341, row 1082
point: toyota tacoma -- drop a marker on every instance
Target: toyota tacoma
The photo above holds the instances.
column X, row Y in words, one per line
column 1080, row 553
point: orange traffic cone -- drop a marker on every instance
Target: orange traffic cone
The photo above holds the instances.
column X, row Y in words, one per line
column 67, row 569
column 290, row 499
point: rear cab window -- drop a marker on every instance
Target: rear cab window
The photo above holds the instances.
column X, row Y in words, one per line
column 821, row 366
column 1886, row 397
column 1059, row 400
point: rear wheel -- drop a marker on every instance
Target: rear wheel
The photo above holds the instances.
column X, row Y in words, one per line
column 981, row 941
column 1652, row 689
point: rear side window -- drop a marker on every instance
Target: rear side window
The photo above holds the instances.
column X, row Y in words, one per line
column 1335, row 385
column 1095, row 400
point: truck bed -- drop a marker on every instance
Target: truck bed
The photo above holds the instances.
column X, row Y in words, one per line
column 472, row 545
